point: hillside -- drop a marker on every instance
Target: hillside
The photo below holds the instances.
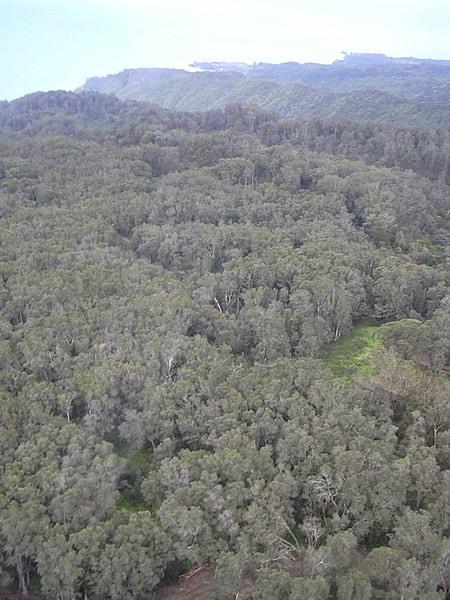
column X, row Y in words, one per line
column 224, row 352
column 364, row 87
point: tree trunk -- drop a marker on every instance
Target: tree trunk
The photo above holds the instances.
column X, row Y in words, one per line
column 21, row 577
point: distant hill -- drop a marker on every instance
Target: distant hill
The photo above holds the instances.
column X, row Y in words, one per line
column 360, row 86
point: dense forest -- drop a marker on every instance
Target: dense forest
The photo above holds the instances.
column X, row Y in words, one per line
column 361, row 86
column 225, row 344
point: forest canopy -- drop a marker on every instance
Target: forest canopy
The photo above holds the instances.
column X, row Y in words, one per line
column 360, row 86
column 225, row 342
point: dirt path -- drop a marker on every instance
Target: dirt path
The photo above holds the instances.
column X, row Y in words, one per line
column 197, row 584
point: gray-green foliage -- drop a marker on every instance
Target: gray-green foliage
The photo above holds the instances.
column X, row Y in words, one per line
column 125, row 557
column 169, row 284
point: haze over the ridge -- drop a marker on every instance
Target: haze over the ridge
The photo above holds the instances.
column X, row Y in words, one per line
column 46, row 44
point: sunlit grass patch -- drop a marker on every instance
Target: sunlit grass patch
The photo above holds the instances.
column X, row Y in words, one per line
column 352, row 354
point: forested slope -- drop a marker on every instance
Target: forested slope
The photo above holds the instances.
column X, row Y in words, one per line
column 173, row 286
column 369, row 87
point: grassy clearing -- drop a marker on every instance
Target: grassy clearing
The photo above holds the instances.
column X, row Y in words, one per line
column 351, row 355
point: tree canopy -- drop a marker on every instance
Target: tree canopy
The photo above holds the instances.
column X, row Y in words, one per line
column 179, row 384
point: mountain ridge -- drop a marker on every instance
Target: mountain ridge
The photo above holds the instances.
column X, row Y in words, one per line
column 363, row 87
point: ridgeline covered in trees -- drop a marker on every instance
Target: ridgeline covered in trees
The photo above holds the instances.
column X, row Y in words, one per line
column 361, row 86
column 225, row 342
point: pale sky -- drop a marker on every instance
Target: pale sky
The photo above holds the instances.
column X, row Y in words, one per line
column 58, row 44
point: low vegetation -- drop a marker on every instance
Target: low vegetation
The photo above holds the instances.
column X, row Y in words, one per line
column 353, row 354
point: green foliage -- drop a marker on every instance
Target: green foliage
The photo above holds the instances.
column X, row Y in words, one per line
column 408, row 337
column 170, row 284
column 393, row 91
column 352, row 355
column 35, row 585
column 136, row 469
